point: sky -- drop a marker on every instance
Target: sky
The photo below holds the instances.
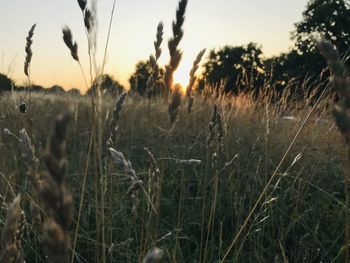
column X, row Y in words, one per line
column 209, row 24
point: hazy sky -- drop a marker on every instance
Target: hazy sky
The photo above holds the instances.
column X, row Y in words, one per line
column 208, row 24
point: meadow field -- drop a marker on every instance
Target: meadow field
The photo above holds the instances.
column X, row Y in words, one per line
column 176, row 174
column 194, row 196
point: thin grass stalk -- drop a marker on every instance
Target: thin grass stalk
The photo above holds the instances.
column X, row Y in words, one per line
column 82, row 195
column 28, row 59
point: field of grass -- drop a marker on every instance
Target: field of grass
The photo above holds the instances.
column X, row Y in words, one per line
column 194, row 197
column 98, row 178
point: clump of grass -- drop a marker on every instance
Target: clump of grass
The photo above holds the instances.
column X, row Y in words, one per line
column 57, row 201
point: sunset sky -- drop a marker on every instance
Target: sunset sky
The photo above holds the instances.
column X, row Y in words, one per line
column 209, row 24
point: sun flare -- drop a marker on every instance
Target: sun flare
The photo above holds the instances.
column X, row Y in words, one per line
column 181, row 78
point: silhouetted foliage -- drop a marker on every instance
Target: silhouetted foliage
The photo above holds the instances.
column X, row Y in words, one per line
column 108, row 86
column 329, row 18
column 5, row 83
column 293, row 69
column 55, row 90
column 138, row 79
column 74, row 92
column 235, row 68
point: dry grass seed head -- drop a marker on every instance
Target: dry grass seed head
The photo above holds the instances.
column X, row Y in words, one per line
column 57, row 201
column 28, row 49
column 115, row 118
column 82, row 4
column 212, row 125
column 175, row 53
column 28, row 150
column 159, row 39
column 10, row 247
column 68, row 40
column 174, row 103
column 193, row 72
column 88, row 20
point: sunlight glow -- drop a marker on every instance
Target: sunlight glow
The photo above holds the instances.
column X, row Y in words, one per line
column 182, row 77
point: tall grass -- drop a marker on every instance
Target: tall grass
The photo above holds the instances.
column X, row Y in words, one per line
column 192, row 188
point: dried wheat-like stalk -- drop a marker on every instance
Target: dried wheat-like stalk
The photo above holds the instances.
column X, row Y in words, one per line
column 136, row 183
column 175, row 53
column 28, row 150
column 212, row 125
column 153, row 178
column 28, row 49
column 153, row 60
column 193, row 80
column 341, row 83
column 10, row 246
column 220, row 130
column 175, row 103
column 115, row 118
column 68, row 40
column 32, row 162
column 216, row 128
column 57, row 201
column 88, row 20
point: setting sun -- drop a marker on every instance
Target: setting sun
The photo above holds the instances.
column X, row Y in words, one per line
column 181, row 77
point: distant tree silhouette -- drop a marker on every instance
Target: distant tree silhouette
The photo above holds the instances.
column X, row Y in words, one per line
column 108, row 86
column 292, row 69
column 5, row 83
column 74, row 92
column 302, row 66
column 139, row 78
column 55, row 90
column 240, row 67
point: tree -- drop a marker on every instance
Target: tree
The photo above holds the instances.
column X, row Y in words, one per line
column 302, row 66
column 6, row 83
column 236, row 68
column 138, row 79
column 108, row 86
column 55, row 90
column 329, row 18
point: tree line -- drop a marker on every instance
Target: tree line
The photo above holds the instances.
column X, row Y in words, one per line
column 237, row 69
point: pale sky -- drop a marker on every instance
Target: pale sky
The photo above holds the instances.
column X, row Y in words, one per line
column 208, row 24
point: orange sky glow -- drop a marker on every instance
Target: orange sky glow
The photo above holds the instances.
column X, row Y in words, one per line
column 209, row 24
